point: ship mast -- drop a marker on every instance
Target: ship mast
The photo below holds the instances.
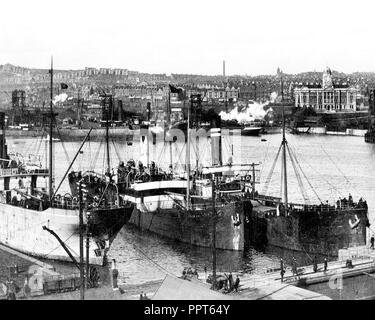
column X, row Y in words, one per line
column 50, row 136
column 284, row 142
column 188, row 156
column 213, row 231
column 107, row 132
column 169, row 127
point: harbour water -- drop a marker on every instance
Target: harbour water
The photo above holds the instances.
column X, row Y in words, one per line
column 334, row 166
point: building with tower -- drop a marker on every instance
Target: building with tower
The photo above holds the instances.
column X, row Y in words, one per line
column 327, row 96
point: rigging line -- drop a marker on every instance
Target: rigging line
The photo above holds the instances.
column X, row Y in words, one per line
column 293, row 160
column 47, row 254
column 63, row 145
column 40, row 143
column 31, row 146
column 346, row 179
column 266, row 183
column 95, row 159
column 148, row 258
column 89, row 146
column 325, row 180
column 299, row 166
column 161, row 154
column 293, row 156
column 154, row 262
column 116, row 150
column 103, row 164
column 179, row 156
column 281, row 181
column 298, row 176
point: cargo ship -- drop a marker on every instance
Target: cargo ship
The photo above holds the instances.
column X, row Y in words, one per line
column 40, row 222
column 202, row 209
column 321, row 229
column 163, row 207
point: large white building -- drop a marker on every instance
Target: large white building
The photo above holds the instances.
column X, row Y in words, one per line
column 326, row 96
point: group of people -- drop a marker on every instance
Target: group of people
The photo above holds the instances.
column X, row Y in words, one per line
column 227, row 285
column 295, row 268
column 189, row 272
column 341, row 203
column 143, row 296
column 230, row 284
column 131, row 172
column 345, row 203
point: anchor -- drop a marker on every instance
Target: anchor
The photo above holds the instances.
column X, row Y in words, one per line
column 356, row 222
column 236, row 220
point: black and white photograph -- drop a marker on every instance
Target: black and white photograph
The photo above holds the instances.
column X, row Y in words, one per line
column 204, row 152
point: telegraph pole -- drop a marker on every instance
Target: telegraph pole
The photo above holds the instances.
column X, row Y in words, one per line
column 87, row 252
column 284, row 164
column 50, row 185
column 81, row 263
column 213, row 231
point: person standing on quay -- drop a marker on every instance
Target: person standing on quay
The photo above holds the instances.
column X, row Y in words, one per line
column 282, row 271
column 372, row 240
column 315, row 266
column 294, row 266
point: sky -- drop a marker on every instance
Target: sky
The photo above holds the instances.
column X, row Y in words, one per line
column 194, row 37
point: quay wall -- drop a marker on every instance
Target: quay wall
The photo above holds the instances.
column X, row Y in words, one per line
column 323, row 130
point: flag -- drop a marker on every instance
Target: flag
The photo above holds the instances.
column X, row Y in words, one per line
column 180, row 91
column 174, row 89
column 64, row 86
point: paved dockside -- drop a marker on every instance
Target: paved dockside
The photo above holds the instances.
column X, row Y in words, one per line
column 266, row 286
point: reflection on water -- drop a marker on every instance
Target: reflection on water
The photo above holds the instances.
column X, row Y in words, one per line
column 143, row 256
column 359, row 287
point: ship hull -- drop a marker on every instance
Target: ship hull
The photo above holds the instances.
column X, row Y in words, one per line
column 22, row 229
column 97, row 134
column 251, row 131
column 319, row 233
column 195, row 228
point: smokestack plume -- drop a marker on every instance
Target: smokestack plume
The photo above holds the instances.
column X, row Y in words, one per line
column 223, row 68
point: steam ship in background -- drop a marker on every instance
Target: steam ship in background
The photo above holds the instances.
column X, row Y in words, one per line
column 251, row 129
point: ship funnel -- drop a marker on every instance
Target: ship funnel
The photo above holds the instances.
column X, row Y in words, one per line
column 215, row 146
column 3, row 146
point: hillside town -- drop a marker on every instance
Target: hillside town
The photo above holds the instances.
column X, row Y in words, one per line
column 24, row 93
column 327, row 99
